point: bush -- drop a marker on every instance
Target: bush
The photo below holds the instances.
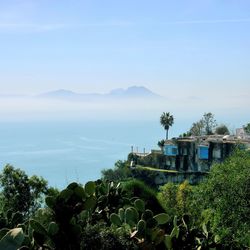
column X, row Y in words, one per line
column 136, row 188
column 167, row 198
column 176, row 198
column 120, row 172
column 101, row 237
column 226, row 194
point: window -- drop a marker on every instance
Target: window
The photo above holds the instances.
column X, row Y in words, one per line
column 170, row 150
column 203, row 152
column 174, row 151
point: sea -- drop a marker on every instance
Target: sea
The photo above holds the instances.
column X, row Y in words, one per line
column 67, row 151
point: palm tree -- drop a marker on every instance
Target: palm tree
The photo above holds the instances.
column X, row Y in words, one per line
column 161, row 144
column 166, row 121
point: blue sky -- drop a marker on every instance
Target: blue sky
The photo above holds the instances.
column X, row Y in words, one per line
column 192, row 50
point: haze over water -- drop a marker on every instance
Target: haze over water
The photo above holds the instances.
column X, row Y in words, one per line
column 68, row 151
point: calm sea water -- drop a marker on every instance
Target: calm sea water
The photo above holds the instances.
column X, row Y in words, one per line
column 63, row 152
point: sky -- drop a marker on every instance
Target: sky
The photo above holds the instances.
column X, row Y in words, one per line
column 193, row 52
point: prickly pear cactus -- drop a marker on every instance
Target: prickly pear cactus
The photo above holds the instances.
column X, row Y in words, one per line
column 12, row 240
column 139, row 205
column 115, row 219
column 161, row 218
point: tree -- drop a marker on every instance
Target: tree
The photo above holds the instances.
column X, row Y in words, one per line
column 209, row 123
column 161, row 144
column 222, row 130
column 120, row 172
column 247, row 128
column 167, row 198
column 204, row 126
column 21, row 193
column 166, row 121
column 176, row 198
column 197, row 128
column 226, row 195
column 183, row 197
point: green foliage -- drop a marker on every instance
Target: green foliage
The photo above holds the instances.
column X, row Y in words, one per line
column 153, row 160
column 102, row 237
column 205, row 126
column 104, row 215
column 247, row 128
column 120, row 172
column 197, row 128
column 123, row 172
column 184, row 236
column 139, row 205
column 12, row 240
column 115, row 219
column 222, row 130
column 183, row 197
column 136, row 188
column 74, row 208
column 161, row 144
column 37, row 227
column 156, row 160
column 89, row 189
column 141, row 227
column 226, row 194
column 166, row 121
column 107, row 215
column 144, row 226
column 21, row 196
column 168, row 198
column 53, row 228
column 221, row 202
column 209, row 123
column 145, row 176
column 161, row 218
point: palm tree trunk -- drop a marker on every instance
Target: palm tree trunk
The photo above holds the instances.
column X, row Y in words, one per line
column 166, row 134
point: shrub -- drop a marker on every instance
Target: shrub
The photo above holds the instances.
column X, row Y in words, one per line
column 101, row 237
column 226, row 195
column 136, row 188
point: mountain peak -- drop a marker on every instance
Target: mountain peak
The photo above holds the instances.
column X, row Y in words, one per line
column 130, row 92
column 139, row 90
column 133, row 91
column 58, row 93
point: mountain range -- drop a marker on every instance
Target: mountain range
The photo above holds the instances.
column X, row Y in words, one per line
column 135, row 92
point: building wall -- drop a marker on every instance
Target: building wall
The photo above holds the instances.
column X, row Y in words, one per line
column 193, row 160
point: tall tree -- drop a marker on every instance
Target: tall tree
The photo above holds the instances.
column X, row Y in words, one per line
column 197, row 128
column 204, row 126
column 226, row 195
column 209, row 123
column 166, row 121
column 21, row 193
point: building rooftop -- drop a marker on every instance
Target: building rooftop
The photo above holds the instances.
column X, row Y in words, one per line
column 204, row 140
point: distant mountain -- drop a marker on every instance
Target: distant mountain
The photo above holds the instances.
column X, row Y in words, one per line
column 60, row 93
column 131, row 92
column 63, row 94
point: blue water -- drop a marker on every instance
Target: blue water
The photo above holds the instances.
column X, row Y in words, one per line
column 63, row 152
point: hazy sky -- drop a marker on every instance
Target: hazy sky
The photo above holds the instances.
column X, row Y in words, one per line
column 172, row 47
column 196, row 53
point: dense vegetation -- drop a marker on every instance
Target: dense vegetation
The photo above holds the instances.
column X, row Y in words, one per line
column 126, row 213
column 222, row 201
